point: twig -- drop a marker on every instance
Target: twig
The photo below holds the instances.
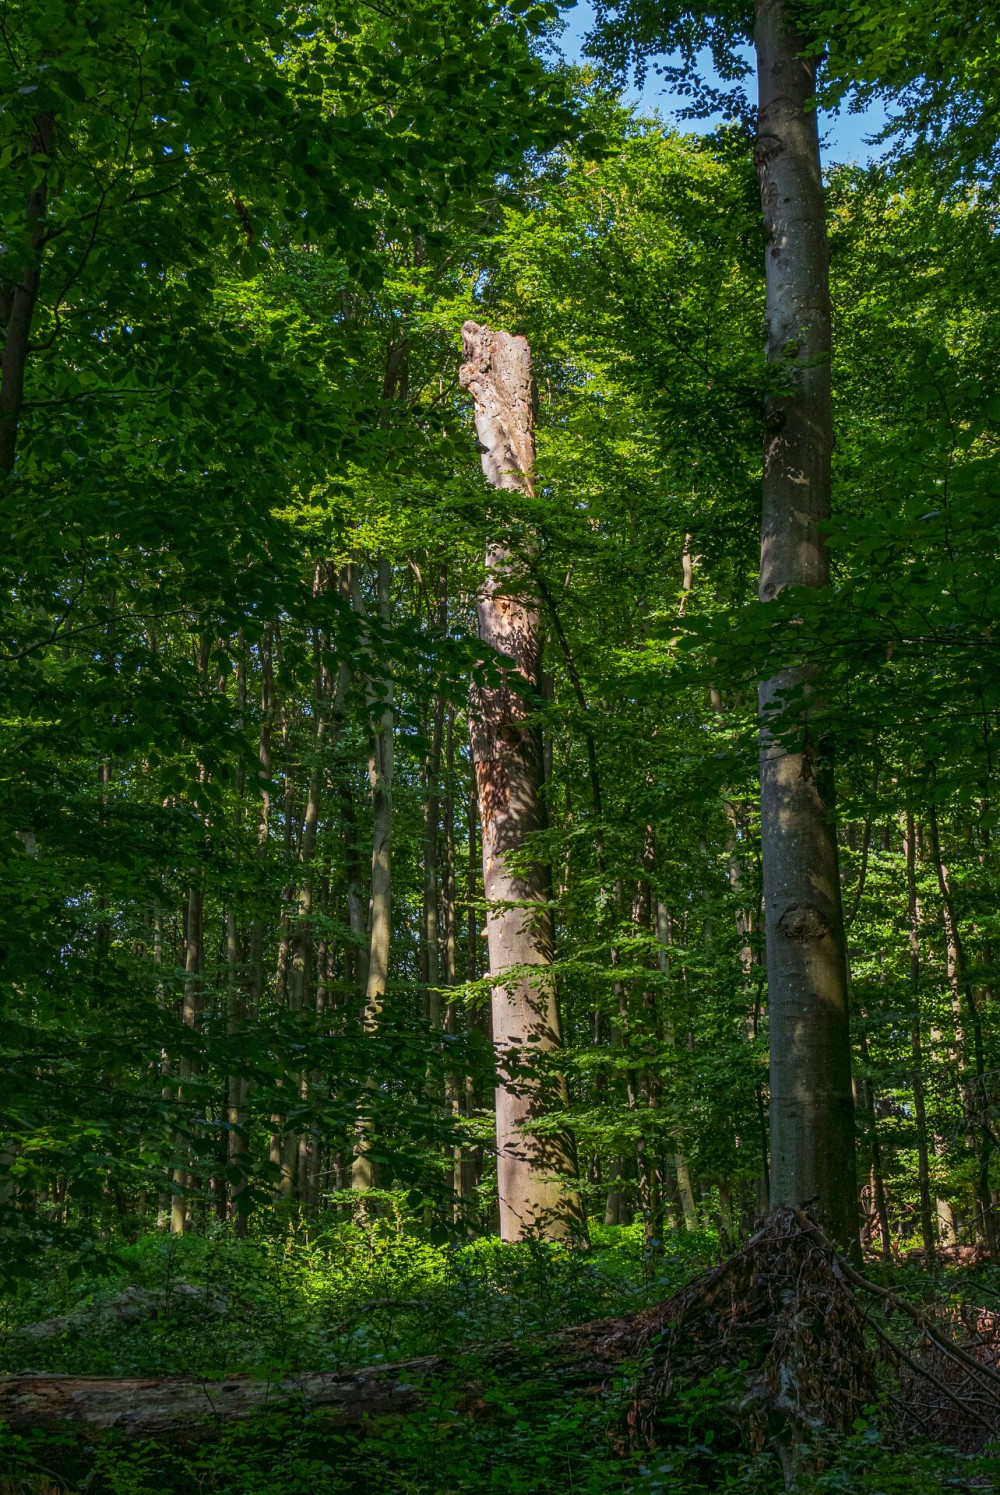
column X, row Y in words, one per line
column 942, row 1340
column 921, row 1370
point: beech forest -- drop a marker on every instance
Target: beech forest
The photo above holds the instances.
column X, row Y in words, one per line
column 499, row 747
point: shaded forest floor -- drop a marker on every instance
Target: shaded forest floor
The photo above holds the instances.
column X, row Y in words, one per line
column 338, row 1296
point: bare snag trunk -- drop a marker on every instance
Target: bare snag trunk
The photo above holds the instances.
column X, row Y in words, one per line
column 536, row 1174
column 812, row 1120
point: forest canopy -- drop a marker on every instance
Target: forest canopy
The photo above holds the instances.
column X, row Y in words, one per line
column 499, row 807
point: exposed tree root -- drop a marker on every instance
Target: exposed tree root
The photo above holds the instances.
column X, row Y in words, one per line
column 798, row 1341
column 811, row 1343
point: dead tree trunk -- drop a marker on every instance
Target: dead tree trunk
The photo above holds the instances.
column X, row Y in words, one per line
column 812, row 1116
column 536, row 1175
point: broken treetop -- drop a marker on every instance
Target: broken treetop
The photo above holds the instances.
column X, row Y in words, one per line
column 497, row 374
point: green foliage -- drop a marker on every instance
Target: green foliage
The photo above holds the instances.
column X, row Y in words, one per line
column 256, row 235
column 343, row 1295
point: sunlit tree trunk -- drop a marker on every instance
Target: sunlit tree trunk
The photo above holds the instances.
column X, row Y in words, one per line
column 536, row 1174
column 812, row 1115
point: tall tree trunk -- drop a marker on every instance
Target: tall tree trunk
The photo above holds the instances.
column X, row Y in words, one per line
column 237, row 1086
column 18, row 300
column 180, row 1208
column 471, row 881
column 380, row 909
column 326, row 705
column 977, row 1102
column 877, row 1172
column 536, row 1175
column 685, row 1193
column 812, row 1114
column 431, row 953
column 916, row 1044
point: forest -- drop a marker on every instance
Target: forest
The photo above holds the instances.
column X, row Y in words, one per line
column 499, row 799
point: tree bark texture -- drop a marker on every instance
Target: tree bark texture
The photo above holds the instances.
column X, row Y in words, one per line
column 536, row 1174
column 812, row 1121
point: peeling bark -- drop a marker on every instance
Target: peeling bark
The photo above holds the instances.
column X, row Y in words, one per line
column 535, row 1173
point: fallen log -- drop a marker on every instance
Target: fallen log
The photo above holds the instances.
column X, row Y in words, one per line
column 581, row 1358
column 148, row 1406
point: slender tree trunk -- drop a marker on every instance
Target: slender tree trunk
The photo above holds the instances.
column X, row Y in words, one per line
column 302, row 945
column 471, row 885
column 458, row 1086
column 237, row 1085
column 536, row 1175
column 356, row 952
column 432, row 815
column 685, row 1193
column 380, row 911
column 18, row 301
column 812, row 1114
column 916, row 1044
column 180, row 1208
column 977, row 1104
column 164, row 1203
column 877, row 1172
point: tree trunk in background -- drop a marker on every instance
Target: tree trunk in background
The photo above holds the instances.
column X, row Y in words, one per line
column 431, row 953
column 916, row 1043
column 685, row 1194
column 380, row 914
column 472, row 920
column 19, row 304
column 877, row 1172
column 302, row 948
column 237, row 1085
column 536, row 1175
column 812, row 1114
column 977, row 1099
column 180, row 1206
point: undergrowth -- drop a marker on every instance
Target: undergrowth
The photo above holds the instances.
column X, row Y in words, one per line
column 337, row 1294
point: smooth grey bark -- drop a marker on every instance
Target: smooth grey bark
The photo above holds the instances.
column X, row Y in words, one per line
column 812, row 1115
column 536, row 1174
